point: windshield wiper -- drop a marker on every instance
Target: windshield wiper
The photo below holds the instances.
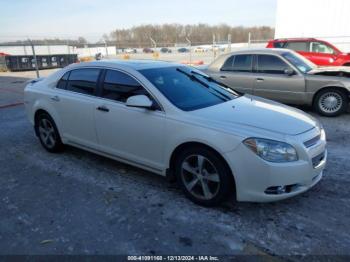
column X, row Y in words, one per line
column 210, row 79
column 194, row 78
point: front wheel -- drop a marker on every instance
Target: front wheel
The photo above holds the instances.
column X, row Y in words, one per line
column 331, row 102
column 203, row 176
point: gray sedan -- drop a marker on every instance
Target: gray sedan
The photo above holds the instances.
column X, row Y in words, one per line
column 284, row 76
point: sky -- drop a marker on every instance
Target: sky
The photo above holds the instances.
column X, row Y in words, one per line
column 21, row 19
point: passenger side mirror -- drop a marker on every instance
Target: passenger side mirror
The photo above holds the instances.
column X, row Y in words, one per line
column 289, row 72
column 141, row 101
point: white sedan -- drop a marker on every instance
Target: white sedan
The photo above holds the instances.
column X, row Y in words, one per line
column 175, row 121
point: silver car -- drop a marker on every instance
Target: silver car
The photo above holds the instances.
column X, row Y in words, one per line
column 285, row 76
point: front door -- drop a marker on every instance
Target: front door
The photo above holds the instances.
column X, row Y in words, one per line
column 134, row 134
column 272, row 82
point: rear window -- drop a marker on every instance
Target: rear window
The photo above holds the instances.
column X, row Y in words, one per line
column 62, row 84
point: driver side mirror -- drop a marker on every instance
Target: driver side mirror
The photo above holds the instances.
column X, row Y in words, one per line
column 140, row 101
column 289, row 72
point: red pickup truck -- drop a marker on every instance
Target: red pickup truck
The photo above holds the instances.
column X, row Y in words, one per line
column 319, row 52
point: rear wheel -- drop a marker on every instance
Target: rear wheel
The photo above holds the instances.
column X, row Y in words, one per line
column 331, row 102
column 203, row 176
column 48, row 134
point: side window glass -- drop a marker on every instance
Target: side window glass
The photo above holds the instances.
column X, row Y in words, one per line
column 83, row 81
column 271, row 65
column 318, row 47
column 119, row 86
column 228, row 64
column 62, row 83
column 298, row 46
column 242, row 63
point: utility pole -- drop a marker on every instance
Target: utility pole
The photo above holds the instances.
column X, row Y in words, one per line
column 106, row 48
column 35, row 60
column 214, row 46
column 153, row 42
column 229, row 41
column 190, row 44
column 68, row 48
column 249, row 39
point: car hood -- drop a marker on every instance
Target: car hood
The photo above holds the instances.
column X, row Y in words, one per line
column 256, row 112
column 330, row 69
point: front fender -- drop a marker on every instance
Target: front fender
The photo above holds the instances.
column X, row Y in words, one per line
column 183, row 133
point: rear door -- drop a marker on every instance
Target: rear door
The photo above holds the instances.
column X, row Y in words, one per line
column 272, row 82
column 236, row 72
column 75, row 103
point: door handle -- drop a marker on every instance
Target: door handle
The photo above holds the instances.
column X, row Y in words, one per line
column 260, row 79
column 222, row 77
column 103, row 109
column 55, row 98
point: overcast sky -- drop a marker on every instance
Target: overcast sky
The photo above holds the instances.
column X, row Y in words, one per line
column 91, row 19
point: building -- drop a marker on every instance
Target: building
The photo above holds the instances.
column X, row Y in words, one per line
column 86, row 51
column 322, row 19
column 39, row 49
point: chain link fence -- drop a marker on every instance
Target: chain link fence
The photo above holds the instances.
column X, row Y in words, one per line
column 29, row 55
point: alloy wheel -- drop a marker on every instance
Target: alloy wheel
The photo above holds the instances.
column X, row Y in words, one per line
column 47, row 133
column 200, row 177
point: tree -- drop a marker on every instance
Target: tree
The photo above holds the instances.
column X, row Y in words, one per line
column 81, row 40
column 170, row 34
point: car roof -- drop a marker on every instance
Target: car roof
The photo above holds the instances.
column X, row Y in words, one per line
column 261, row 51
column 295, row 39
column 127, row 64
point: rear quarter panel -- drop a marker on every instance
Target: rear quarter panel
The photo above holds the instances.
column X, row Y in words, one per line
column 37, row 97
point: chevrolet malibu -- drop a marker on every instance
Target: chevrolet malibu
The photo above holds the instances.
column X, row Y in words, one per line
column 175, row 121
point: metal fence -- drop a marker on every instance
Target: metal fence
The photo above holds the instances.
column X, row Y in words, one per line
column 27, row 56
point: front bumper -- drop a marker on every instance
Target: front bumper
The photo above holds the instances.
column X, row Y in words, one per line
column 260, row 181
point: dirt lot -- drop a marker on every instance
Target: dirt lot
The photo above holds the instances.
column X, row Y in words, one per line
column 80, row 203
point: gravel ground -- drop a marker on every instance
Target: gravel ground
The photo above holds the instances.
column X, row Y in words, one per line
column 80, row 203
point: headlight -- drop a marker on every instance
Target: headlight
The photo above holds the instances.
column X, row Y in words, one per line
column 272, row 151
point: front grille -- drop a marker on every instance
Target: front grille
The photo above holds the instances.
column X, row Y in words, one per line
column 318, row 159
column 312, row 141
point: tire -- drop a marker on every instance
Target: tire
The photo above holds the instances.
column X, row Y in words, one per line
column 212, row 185
column 331, row 102
column 47, row 132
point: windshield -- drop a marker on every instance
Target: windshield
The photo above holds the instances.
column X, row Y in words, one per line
column 188, row 88
column 299, row 61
